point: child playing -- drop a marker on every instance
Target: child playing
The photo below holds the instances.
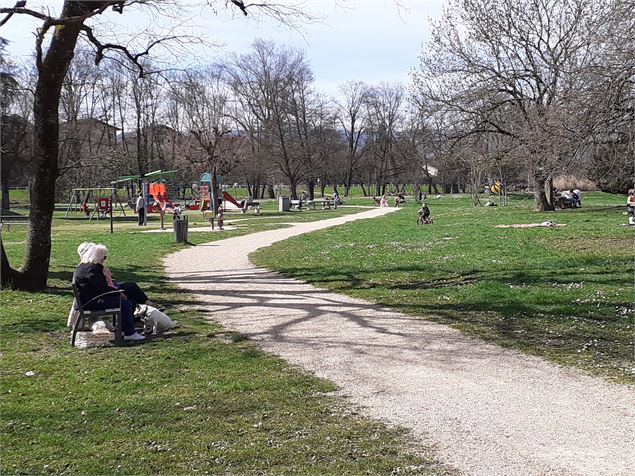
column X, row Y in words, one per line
column 220, row 219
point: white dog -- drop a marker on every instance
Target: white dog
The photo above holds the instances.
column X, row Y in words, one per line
column 154, row 320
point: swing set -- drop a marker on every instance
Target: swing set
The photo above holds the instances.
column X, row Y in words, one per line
column 93, row 202
column 100, row 202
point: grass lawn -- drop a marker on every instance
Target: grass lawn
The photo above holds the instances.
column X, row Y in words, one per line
column 195, row 401
column 565, row 294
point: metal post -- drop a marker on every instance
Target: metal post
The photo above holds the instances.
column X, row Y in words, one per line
column 144, row 190
column 112, row 201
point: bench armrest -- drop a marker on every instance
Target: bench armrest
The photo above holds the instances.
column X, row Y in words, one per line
column 116, row 291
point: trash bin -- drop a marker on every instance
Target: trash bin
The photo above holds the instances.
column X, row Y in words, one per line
column 180, row 226
column 284, row 204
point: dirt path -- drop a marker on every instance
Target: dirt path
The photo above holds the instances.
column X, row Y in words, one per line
column 488, row 410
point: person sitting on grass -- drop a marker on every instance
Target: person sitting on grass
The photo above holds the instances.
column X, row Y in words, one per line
column 91, row 281
column 129, row 288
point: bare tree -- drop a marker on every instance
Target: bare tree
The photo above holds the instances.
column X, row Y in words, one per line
column 384, row 116
column 274, row 85
column 15, row 129
column 205, row 103
column 516, row 68
column 87, row 140
column 352, row 121
column 612, row 112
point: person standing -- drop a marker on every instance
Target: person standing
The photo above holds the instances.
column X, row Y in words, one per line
column 630, row 206
column 220, row 219
column 578, row 194
column 140, row 208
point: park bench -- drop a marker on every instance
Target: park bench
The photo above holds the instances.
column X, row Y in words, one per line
column 326, row 203
column 86, row 318
column 296, row 203
column 251, row 204
column 9, row 218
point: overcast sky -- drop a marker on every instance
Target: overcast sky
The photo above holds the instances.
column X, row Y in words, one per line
column 368, row 40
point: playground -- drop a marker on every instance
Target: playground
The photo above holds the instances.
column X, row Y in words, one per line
column 559, row 297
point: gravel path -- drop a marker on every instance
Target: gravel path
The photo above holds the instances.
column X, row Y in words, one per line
column 487, row 410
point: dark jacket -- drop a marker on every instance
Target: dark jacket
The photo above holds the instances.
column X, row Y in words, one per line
column 90, row 281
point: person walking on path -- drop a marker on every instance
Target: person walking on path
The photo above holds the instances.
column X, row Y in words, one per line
column 140, row 208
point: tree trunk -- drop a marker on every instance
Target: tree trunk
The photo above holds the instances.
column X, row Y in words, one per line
column 348, row 182
column 311, row 185
column 51, row 72
column 9, row 277
column 215, row 191
column 271, row 191
column 543, row 193
column 6, row 204
column 293, row 190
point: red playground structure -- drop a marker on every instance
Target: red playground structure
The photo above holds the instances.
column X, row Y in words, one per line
column 160, row 200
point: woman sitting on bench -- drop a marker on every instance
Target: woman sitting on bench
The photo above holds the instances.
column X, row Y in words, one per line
column 91, row 282
column 129, row 288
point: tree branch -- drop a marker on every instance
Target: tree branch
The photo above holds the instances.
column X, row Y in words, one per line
column 134, row 58
column 19, row 8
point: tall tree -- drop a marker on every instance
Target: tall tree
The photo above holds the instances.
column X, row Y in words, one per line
column 515, row 68
column 384, row 115
column 274, row 84
column 352, row 121
column 205, row 101
column 14, row 125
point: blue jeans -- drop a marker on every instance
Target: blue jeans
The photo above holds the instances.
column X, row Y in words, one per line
column 108, row 302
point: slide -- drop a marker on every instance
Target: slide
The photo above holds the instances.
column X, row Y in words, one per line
column 228, row 198
column 160, row 195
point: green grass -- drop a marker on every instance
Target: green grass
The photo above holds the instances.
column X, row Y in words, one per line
column 18, row 197
column 565, row 294
column 199, row 400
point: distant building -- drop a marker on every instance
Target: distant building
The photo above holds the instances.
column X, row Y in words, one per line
column 86, row 139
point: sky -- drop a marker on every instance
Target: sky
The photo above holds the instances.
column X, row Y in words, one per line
column 367, row 40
